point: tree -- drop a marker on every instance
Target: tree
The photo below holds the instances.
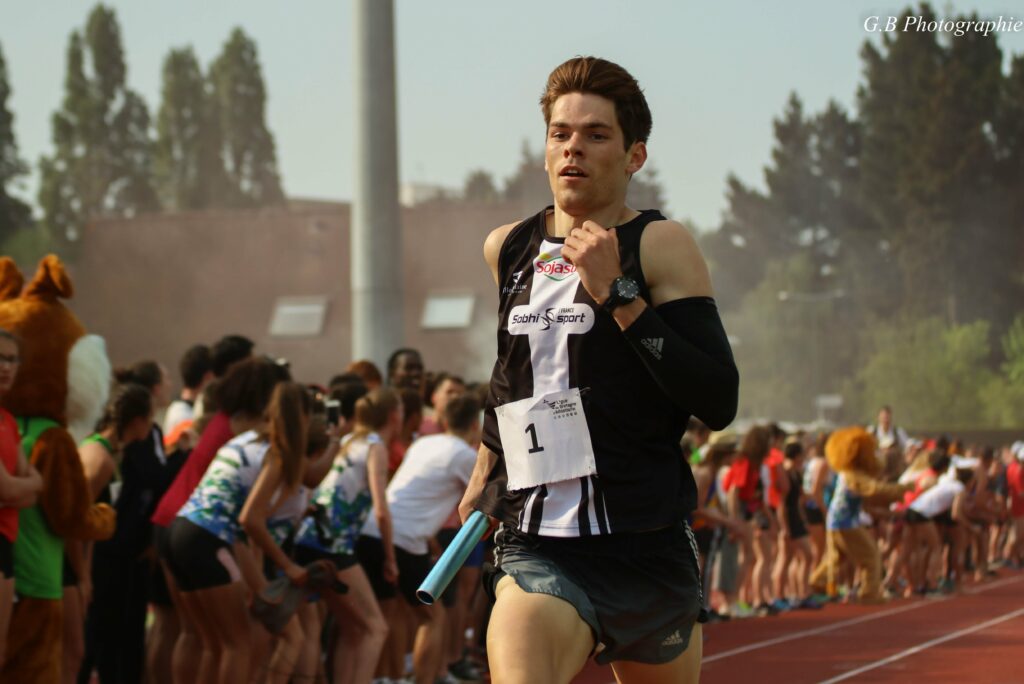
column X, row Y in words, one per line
column 189, row 171
column 246, row 145
column 14, row 214
column 102, row 164
column 933, row 372
column 528, row 186
column 480, row 187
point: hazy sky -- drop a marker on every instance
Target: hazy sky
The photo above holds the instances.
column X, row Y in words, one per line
column 470, row 73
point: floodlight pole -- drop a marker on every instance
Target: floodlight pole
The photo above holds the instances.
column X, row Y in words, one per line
column 376, row 238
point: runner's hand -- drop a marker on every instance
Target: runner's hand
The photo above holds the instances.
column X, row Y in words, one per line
column 595, row 253
column 297, row 574
column 390, row 571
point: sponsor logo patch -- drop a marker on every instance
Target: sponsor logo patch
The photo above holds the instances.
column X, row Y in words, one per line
column 574, row 319
column 553, row 267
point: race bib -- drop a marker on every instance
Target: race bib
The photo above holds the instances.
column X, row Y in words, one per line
column 545, row 439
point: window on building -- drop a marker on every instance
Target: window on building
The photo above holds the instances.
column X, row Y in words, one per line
column 448, row 311
column 298, row 316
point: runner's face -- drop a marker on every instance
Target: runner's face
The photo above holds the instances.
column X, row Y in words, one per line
column 588, row 166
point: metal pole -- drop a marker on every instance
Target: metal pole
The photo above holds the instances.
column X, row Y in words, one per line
column 376, row 238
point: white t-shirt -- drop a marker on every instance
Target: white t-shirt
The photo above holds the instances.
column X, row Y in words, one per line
column 937, row 499
column 178, row 411
column 425, row 490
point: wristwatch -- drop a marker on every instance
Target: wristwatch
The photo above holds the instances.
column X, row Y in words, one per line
column 624, row 290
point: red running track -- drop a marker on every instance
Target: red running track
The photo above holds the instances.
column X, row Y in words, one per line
column 976, row 636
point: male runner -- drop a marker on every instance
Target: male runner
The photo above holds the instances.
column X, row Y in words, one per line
column 608, row 342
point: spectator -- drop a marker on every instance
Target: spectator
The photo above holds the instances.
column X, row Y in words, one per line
column 405, row 370
column 342, row 502
column 108, row 578
column 242, row 398
column 196, row 370
column 367, row 372
column 257, row 472
column 425, row 490
column 228, row 351
column 115, row 631
column 19, row 483
column 445, row 387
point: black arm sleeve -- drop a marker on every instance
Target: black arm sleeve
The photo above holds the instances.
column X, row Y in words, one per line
column 684, row 346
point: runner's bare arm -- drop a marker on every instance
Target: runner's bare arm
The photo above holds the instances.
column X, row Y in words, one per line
column 485, row 460
column 492, row 247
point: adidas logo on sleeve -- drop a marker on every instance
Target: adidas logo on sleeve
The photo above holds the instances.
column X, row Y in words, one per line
column 654, row 345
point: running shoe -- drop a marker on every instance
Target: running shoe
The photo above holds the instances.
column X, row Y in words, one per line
column 742, row 610
column 464, row 671
column 809, row 603
column 765, row 610
column 781, row 605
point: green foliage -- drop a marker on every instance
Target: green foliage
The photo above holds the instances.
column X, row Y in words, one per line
column 246, row 147
column 14, row 213
column 28, row 246
column 480, row 187
column 912, row 208
column 102, row 163
column 189, row 173
column 933, row 372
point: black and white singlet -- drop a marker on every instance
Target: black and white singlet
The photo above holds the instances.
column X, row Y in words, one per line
column 552, row 336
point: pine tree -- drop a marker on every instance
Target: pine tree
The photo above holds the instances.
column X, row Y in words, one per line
column 479, row 187
column 102, row 162
column 246, row 145
column 14, row 214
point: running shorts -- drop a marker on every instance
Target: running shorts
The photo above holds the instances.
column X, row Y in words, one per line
column 412, row 570
column 199, row 559
column 640, row 593
column 814, row 516
column 304, row 555
column 6, row 558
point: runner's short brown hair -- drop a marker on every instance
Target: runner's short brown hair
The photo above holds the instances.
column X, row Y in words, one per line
column 607, row 79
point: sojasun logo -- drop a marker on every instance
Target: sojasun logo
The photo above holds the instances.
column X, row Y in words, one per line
column 554, row 267
column 574, row 319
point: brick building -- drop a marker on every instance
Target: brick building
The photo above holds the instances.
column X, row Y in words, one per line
column 155, row 284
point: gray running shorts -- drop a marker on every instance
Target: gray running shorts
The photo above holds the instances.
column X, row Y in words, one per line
column 639, row 592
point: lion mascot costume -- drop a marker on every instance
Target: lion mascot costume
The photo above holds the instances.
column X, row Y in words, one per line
column 61, row 389
column 851, row 453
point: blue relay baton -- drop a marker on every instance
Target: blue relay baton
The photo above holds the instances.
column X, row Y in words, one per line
column 453, row 558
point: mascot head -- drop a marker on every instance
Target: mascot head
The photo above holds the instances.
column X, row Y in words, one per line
column 853, row 448
column 64, row 373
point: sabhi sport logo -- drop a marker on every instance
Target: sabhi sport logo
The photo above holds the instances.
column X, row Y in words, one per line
column 554, row 267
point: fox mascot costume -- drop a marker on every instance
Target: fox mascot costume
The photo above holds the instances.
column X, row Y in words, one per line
column 61, row 389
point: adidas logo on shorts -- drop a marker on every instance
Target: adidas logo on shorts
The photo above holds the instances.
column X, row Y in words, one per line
column 654, row 345
column 673, row 639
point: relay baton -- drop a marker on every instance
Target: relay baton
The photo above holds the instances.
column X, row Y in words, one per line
column 453, row 558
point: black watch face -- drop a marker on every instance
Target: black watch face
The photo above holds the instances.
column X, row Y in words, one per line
column 627, row 289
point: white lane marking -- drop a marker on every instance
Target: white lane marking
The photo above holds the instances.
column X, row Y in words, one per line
column 926, row 645
column 853, row 621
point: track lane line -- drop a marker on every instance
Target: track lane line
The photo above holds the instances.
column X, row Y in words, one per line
column 854, row 621
column 926, row 645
